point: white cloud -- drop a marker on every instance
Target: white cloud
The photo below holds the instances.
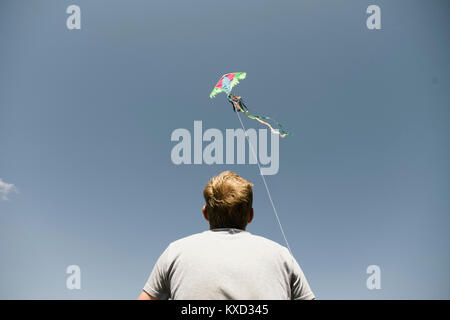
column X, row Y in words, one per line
column 5, row 189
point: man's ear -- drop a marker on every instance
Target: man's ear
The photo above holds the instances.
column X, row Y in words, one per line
column 252, row 213
column 205, row 214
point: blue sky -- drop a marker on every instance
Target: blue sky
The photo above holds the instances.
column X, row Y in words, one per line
column 86, row 118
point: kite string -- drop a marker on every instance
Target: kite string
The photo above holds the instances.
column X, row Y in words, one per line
column 265, row 183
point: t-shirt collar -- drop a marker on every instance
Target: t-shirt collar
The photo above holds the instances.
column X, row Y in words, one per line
column 227, row 230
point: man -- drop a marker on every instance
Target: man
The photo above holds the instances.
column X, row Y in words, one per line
column 226, row 262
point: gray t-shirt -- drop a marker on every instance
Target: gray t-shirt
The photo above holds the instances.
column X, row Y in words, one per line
column 227, row 264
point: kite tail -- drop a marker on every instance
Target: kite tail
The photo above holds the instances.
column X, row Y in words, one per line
column 239, row 106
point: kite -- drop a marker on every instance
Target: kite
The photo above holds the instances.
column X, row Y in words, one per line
column 226, row 84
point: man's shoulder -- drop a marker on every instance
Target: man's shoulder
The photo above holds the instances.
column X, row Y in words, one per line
column 188, row 239
column 268, row 242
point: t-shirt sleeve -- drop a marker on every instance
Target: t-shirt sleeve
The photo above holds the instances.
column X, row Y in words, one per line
column 157, row 284
column 299, row 285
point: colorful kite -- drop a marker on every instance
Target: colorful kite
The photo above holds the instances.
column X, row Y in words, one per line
column 226, row 84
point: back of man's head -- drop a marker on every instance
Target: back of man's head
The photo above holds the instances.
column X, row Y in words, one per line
column 229, row 200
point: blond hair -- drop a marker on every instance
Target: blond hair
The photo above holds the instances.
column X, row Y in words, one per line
column 229, row 199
